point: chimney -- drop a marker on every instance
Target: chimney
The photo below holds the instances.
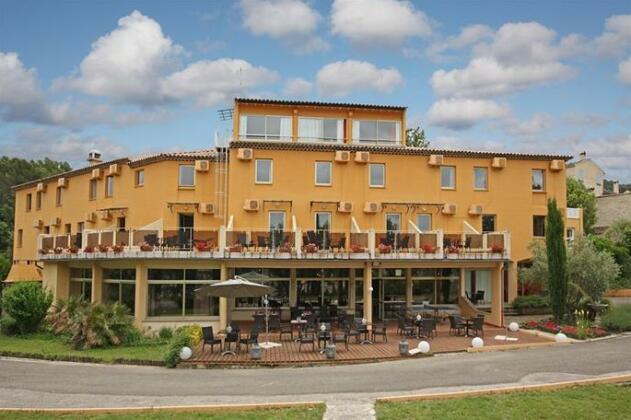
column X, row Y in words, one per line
column 583, row 155
column 94, row 157
column 598, row 190
column 616, row 187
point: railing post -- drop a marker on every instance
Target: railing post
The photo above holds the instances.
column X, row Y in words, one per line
column 371, row 242
column 440, row 243
column 222, row 238
column 298, row 242
column 507, row 244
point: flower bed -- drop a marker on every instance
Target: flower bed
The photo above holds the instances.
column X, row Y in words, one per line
column 572, row 331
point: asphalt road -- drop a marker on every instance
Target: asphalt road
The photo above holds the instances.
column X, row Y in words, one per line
column 56, row 384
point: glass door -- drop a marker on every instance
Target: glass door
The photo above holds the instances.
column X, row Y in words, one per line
column 276, row 228
column 187, row 222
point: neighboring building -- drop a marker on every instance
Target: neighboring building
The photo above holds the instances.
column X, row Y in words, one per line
column 588, row 171
column 610, row 208
column 323, row 200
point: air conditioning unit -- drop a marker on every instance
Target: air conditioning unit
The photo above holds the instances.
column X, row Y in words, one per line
column 342, row 156
column 449, row 209
column 435, row 160
column 245, row 154
column 41, row 187
column 55, row 221
column 251, row 205
column 114, row 169
column 499, row 163
column 90, row 217
column 372, row 207
column 97, row 173
column 202, row 165
column 38, row 223
column 207, row 208
column 62, row 182
column 106, row 215
column 345, row 207
column 362, row 157
column 557, row 165
column 475, row 209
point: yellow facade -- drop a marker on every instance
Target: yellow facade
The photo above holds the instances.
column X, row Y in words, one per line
column 412, row 186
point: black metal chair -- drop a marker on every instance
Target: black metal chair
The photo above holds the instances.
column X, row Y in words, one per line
column 403, row 328
column 284, row 329
column 274, row 323
column 232, row 337
column 379, row 330
column 306, row 337
column 456, row 326
column 340, row 337
column 259, row 322
column 477, row 326
column 249, row 340
column 427, row 327
column 209, row 338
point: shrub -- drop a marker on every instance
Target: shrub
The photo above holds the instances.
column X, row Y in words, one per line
column 8, row 326
column 93, row 325
column 27, row 304
column 186, row 336
column 165, row 333
column 530, row 301
column 618, row 319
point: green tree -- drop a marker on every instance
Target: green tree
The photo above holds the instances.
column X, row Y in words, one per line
column 557, row 261
column 621, row 256
column 579, row 196
column 620, row 233
column 26, row 303
column 415, row 137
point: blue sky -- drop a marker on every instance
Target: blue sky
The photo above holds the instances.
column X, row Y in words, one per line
column 134, row 77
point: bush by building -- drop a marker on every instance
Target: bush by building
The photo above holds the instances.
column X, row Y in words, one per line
column 26, row 303
column 617, row 319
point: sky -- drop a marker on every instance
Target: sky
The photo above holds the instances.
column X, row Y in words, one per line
column 135, row 77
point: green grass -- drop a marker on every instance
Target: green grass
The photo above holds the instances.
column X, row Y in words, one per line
column 49, row 346
column 302, row 413
column 617, row 319
column 586, row 402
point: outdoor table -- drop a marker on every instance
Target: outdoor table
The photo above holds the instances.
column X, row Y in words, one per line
column 366, row 333
column 223, row 335
column 297, row 324
column 468, row 322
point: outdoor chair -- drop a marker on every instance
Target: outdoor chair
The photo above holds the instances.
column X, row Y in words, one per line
column 427, row 327
column 249, row 340
column 456, row 326
column 478, row 326
column 209, row 338
column 350, row 331
column 284, row 329
column 259, row 322
column 340, row 337
column 232, row 337
column 306, row 338
column 403, row 328
column 379, row 330
column 274, row 323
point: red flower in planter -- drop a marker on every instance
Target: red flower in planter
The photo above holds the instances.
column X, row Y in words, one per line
column 598, row 332
column 357, row 248
column 117, row 249
column 428, row 248
column 550, row 326
column 530, row 324
column 286, row 247
column 88, row 249
column 201, row 246
column 311, row 248
column 497, row 248
column 384, row 249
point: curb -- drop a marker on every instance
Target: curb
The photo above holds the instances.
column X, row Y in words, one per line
column 508, row 347
column 80, row 359
column 507, row 390
column 169, row 409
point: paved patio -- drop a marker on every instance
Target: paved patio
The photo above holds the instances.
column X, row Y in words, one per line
column 289, row 354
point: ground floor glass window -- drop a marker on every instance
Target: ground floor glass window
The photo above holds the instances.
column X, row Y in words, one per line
column 179, row 292
column 119, row 286
column 278, row 279
column 81, row 283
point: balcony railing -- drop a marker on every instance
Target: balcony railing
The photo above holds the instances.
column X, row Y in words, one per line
column 275, row 244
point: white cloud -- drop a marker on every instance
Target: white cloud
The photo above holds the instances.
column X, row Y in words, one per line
column 460, row 114
column 213, row 82
column 342, row 77
column 468, row 36
column 612, row 152
column 616, row 37
column 297, row 87
column 39, row 143
column 519, row 56
column 378, row 22
column 127, row 63
column 538, row 123
column 585, row 119
column 624, row 71
column 293, row 22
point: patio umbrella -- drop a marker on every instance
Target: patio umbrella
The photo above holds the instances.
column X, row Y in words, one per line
column 252, row 276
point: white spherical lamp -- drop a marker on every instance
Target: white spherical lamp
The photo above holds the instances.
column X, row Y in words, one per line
column 371, row 289
column 513, row 326
column 560, row 338
column 418, row 317
column 322, row 327
column 477, row 342
column 186, row 353
column 229, row 329
column 364, row 321
column 424, row 347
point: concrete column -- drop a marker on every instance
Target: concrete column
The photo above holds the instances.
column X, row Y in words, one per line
column 141, row 289
column 368, row 291
column 497, row 304
column 351, row 290
column 463, row 282
column 223, row 302
column 512, row 281
column 97, row 283
column 409, row 287
column 293, row 287
column 56, row 278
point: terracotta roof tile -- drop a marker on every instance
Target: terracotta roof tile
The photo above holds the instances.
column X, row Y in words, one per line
column 316, row 103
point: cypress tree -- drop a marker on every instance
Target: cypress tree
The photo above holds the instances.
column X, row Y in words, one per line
column 557, row 266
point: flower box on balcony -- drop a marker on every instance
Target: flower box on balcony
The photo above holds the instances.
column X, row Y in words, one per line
column 118, row 249
column 58, row 250
column 356, row 248
column 146, row 247
column 73, row 250
column 88, row 249
column 103, row 248
column 384, row 249
column 235, row 248
column 311, row 248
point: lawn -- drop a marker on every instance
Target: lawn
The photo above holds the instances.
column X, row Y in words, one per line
column 585, row 402
column 49, row 346
column 302, row 413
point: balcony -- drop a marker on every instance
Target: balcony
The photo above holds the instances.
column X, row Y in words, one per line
column 187, row 243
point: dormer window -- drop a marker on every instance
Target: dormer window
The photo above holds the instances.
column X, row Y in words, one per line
column 373, row 131
column 264, row 127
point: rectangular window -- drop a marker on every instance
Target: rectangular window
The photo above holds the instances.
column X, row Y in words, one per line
column 140, row 178
column 81, row 283
column 38, row 200
column 68, row 228
column 480, row 179
column 377, row 175
column 261, row 127
column 93, row 186
column 424, row 222
column 119, row 286
column 187, row 176
column 376, row 131
column 323, row 173
column 174, row 292
column 263, row 171
column 109, row 186
column 448, row 177
column 569, row 233
column 323, row 221
column 538, row 180
column 277, row 279
column 276, row 220
column 29, row 201
column 319, row 129
column 488, row 223
column 393, row 222
column 59, row 197
column 20, row 238
column 539, row 226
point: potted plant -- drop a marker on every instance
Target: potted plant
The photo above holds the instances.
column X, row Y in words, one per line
column 497, row 249
column 88, row 249
column 58, row 250
column 117, row 249
column 236, row 248
column 311, row 248
column 384, row 249
column 104, row 248
column 146, row 247
column 357, row 248
column 201, row 246
column 286, row 247
column 428, row 249
column 73, row 249
column 452, row 252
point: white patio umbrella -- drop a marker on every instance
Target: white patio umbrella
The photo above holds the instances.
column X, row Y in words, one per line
column 256, row 276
